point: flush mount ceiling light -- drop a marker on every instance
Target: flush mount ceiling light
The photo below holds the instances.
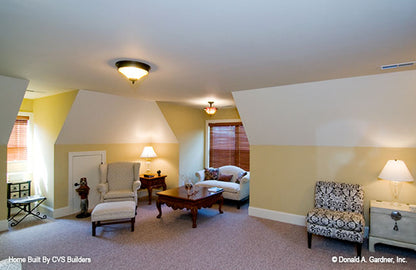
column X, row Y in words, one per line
column 133, row 70
column 210, row 110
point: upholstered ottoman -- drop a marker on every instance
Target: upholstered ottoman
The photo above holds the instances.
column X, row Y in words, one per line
column 112, row 213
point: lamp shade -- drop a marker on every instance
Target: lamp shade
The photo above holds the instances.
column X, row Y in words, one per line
column 396, row 170
column 148, row 152
column 133, row 70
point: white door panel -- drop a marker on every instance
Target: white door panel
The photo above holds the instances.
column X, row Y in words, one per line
column 84, row 164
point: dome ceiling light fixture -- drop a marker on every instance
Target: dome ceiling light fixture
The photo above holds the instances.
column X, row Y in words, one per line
column 133, row 70
column 210, row 110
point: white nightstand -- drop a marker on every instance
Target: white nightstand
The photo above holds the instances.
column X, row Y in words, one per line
column 382, row 224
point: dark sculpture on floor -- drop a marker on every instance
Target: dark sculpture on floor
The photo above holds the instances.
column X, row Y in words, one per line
column 83, row 191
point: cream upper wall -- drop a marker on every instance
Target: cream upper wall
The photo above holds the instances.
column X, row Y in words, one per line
column 188, row 126
column 12, row 91
column 376, row 110
column 97, row 118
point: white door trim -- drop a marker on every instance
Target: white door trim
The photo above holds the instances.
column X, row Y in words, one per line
column 71, row 155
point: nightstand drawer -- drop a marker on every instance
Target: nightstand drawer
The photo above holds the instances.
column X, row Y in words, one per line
column 382, row 226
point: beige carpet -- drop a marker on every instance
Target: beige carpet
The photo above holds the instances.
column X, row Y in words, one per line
column 232, row 240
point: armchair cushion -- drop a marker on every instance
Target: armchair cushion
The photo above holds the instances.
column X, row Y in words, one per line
column 227, row 186
column 349, row 221
column 117, row 194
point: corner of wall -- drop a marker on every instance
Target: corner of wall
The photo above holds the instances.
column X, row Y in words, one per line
column 4, row 225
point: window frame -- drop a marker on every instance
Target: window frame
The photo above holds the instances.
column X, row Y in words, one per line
column 29, row 151
column 207, row 135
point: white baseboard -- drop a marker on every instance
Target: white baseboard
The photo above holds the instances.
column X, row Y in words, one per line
column 4, row 225
column 46, row 210
column 284, row 217
column 276, row 215
column 62, row 212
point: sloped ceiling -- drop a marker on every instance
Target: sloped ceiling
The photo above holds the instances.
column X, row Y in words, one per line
column 12, row 91
column 200, row 50
column 376, row 110
column 97, row 118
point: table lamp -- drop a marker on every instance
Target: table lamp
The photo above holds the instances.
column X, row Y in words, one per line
column 397, row 172
column 148, row 153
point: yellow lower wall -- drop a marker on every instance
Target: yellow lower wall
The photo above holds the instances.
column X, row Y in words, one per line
column 283, row 177
column 167, row 161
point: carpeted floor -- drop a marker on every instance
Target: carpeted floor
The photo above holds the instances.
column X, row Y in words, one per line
column 232, row 240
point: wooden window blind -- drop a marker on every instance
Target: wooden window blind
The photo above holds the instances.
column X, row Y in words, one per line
column 17, row 146
column 229, row 145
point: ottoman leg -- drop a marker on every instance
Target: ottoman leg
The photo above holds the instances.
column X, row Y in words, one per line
column 94, row 226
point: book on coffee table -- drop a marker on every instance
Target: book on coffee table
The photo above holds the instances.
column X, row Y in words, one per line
column 215, row 189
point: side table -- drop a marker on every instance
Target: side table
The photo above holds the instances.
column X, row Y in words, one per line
column 152, row 182
column 392, row 224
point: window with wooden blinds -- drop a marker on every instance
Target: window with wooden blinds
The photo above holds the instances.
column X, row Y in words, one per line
column 228, row 145
column 17, row 146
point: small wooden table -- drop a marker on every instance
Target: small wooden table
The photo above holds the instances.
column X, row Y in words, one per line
column 178, row 198
column 152, row 182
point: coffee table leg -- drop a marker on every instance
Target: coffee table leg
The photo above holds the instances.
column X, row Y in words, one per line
column 221, row 201
column 194, row 213
column 149, row 191
column 159, row 207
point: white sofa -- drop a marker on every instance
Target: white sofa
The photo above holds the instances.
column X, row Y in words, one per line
column 232, row 190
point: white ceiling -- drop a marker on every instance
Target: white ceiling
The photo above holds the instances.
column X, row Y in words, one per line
column 200, row 50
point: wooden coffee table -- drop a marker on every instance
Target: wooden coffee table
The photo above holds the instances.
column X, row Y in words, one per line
column 178, row 198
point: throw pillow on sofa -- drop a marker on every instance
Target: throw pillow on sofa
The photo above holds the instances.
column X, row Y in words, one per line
column 225, row 177
column 240, row 176
column 211, row 173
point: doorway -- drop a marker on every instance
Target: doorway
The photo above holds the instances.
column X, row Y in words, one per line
column 84, row 164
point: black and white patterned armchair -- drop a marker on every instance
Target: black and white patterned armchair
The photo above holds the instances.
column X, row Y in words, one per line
column 338, row 213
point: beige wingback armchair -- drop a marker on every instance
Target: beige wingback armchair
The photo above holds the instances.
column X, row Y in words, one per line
column 119, row 181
